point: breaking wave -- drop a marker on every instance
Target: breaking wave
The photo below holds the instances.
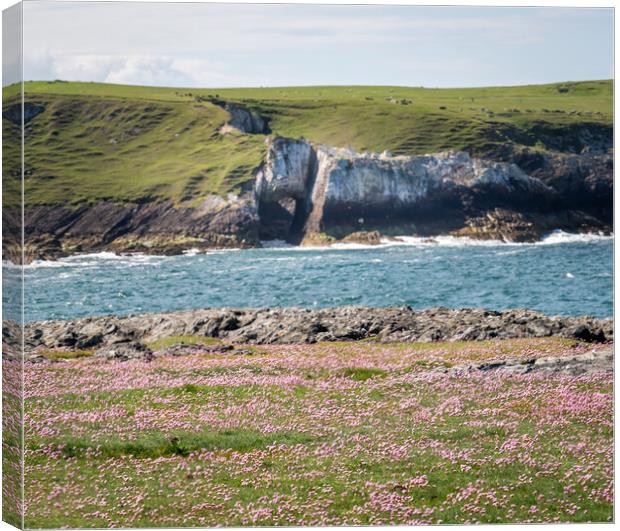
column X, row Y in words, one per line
column 553, row 238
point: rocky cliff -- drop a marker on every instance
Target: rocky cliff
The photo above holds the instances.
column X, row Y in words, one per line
column 303, row 192
column 337, row 192
column 306, row 193
column 150, row 227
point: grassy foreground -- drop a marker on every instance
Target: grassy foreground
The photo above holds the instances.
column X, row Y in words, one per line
column 345, row 433
column 98, row 142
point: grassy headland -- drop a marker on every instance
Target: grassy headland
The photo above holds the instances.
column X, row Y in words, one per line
column 98, row 142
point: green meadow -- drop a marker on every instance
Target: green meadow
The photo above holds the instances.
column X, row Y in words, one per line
column 97, row 142
column 326, row 434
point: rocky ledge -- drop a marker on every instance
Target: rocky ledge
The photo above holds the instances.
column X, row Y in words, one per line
column 597, row 360
column 295, row 325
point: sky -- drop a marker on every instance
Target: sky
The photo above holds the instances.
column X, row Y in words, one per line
column 228, row 45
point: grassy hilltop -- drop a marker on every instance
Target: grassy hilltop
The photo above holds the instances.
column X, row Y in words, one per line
column 99, row 142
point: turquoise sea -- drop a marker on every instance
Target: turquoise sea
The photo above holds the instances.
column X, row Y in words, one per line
column 562, row 275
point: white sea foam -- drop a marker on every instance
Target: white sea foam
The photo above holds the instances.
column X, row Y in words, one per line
column 353, row 246
column 275, row 244
column 222, row 251
column 301, row 248
column 511, row 252
column 410, row 241
column 129, row 260
column 435, row 241
column 95, row 259
column 559, row 236
column 103, row 255
column 555, row 237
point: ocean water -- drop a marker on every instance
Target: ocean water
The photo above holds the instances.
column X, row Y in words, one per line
column 562, row 275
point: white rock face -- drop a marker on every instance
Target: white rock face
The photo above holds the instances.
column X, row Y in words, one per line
column 375, row 179
column 286, row 170
column 370, row 179
column 339, row 180
column 245, row 120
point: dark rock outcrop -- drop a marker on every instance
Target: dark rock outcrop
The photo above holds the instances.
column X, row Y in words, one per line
column 126, row 352
column 510, row 226
column 599, row 360
column 363, row 237
column 154, row 227
column 295, row 325
column 583, row 181
column 244, row 119
column 13, row 113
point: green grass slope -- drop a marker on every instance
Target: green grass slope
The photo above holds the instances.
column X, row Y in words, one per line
column 99, row 142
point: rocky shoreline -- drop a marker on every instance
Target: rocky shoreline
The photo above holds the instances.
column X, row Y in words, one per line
column 129, row 335
column 517, row 187
column 311, row 194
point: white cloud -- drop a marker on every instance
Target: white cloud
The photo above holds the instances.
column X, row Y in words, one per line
column 84, row 67
column 135, row 69
column 221, row 45
column 147, row 70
